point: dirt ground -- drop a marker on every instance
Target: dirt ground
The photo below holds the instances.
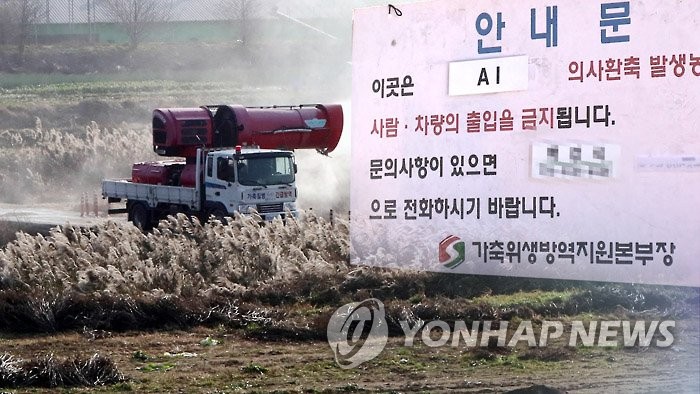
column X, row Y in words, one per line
column 219, row 360
column 40, row 218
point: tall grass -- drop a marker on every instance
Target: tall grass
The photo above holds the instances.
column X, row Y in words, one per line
column 47, row 371
column 185, row 273
column 8, row 231
column 10, row 228
column 181, row 257
column 47, row 164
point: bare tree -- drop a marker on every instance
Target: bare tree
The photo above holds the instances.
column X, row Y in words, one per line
column 18, row 17
column 240, row 13
column 6, row 21
column 137, row 17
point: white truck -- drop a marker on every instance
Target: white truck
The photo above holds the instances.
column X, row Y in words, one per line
column 211, row 180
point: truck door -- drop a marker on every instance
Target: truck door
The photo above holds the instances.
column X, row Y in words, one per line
column 219, row 180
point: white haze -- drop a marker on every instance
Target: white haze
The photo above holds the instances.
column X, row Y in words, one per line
column 323, row 182
column 312, row 65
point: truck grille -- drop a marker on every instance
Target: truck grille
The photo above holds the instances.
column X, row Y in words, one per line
column 269, row 208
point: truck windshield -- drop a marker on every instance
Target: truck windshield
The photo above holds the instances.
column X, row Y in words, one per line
column 263, row 171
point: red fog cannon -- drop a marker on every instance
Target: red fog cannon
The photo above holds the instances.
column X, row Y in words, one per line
column 179, row 132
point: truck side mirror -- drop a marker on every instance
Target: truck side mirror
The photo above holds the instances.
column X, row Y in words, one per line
column 295, row 168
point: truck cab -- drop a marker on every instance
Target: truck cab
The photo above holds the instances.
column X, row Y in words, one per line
column 247, row 179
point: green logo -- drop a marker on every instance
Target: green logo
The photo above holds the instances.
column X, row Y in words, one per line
column 451, row 252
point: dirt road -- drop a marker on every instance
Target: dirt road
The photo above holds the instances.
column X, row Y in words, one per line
column 40, row 218
column 54, row 214
column 219, row 360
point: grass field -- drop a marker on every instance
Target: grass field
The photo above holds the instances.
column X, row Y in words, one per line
column 175, row 360
column 239, row 307
column 38, row 89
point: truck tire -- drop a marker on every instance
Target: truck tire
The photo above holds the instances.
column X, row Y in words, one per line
column 215, row 209
column 141, row 217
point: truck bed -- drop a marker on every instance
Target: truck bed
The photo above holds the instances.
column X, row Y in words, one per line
column 151, row 194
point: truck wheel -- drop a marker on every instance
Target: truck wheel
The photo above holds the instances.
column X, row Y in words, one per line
column 141, row 217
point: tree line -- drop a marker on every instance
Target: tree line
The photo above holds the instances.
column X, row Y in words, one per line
column 135, row 17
